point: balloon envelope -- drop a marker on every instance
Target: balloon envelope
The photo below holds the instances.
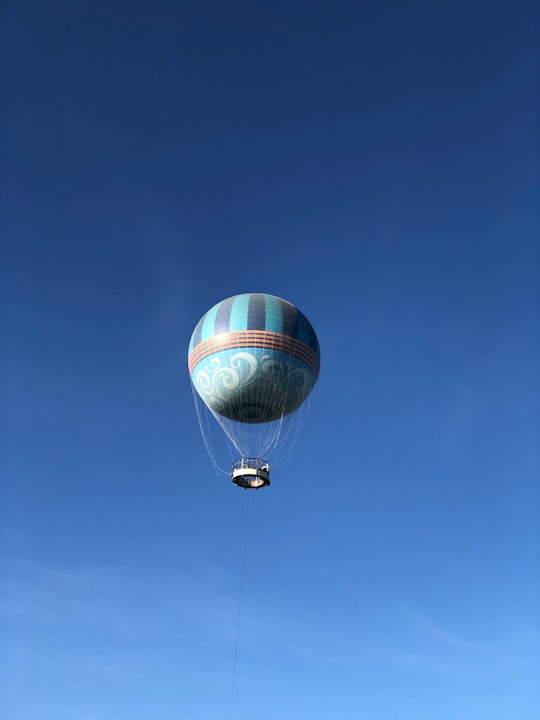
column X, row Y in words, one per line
column 254, row 358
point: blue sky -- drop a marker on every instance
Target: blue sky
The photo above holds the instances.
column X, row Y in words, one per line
column 374, row 163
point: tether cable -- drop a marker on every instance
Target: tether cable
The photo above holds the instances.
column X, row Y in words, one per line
column 239, row 607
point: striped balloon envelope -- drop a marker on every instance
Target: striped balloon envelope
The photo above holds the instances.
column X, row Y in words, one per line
column 253, row 358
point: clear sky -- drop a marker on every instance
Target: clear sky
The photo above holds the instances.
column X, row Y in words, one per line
column 374, row 163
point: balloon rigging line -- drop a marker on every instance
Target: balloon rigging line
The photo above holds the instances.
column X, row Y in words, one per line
column 239, row 607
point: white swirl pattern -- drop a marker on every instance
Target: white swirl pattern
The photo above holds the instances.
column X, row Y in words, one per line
column 252, row 387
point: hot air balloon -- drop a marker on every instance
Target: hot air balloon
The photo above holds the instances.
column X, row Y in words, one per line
column 253, row 362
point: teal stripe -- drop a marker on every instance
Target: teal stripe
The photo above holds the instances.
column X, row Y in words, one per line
column 208, row 323
column 239, row 313
column 274, row 316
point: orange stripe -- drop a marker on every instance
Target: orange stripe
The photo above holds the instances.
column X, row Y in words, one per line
column 254, row 338
column 302, row 352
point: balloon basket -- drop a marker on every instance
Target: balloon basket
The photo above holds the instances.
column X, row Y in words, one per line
column 250, row 473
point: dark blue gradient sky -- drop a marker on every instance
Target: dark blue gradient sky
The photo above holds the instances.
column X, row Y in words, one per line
column 374, row 163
